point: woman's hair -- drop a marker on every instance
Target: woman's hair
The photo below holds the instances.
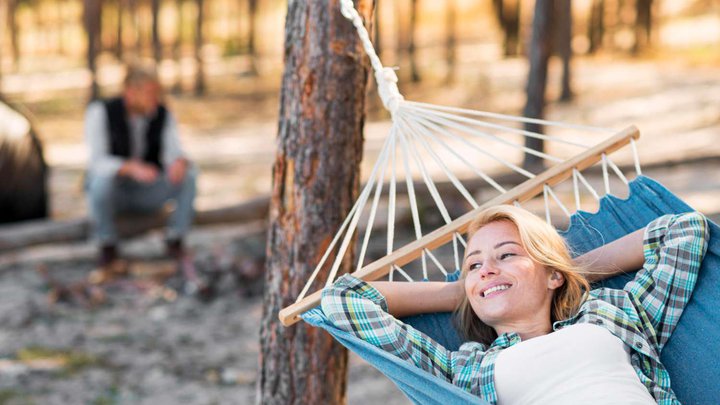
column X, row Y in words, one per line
column 544, row 246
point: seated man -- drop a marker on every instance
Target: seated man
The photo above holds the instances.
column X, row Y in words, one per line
column 136, row 163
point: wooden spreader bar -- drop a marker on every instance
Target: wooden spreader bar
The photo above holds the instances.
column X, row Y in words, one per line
column 522, row 192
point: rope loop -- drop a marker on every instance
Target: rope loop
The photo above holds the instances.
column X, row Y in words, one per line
column 385, row 77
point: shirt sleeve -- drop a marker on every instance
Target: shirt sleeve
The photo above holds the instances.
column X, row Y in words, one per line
column 171, row 150
column 674, row 246
column 356, row 307
column 100, row 161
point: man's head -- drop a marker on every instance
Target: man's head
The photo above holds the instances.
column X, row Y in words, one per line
column 142, row 92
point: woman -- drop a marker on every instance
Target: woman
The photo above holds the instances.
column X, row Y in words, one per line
column 535, row 332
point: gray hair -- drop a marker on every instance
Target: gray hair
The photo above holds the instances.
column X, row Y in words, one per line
column 138, row 73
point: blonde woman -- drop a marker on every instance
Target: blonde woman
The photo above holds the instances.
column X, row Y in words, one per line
column 535, row 332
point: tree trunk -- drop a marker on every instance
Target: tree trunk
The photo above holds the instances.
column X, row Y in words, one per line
column 540, row 50
column 252, row 27
column 177, row 47
column 643, row 25
column 92, row 13
column 200, row 86
column 414, row 71
column 119, row 32
column 450, row 40
column 14, row 34
column 564, row 45
column 508, row 15
column 596, row 26
column 315, row 182
column 157, row 45
column 3, row 18
column 377, row 39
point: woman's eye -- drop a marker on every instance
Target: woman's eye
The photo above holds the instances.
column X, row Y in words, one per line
column 506, row 255
column 474, row 266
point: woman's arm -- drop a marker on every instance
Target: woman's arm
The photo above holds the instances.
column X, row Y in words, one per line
column 405, row 299
column 619, row 256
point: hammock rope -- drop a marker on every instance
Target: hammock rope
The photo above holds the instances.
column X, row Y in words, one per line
column 426, row 141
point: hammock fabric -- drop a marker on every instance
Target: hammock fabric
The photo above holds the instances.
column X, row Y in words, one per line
column 692, row 356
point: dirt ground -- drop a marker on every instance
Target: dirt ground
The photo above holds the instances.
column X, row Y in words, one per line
column 162, row 343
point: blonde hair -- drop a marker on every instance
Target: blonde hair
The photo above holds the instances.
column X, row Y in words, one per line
column 546, row 247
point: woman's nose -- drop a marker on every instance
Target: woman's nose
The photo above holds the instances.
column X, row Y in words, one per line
column 488, row 269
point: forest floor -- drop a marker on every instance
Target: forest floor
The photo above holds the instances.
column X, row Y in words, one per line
column 152, row 342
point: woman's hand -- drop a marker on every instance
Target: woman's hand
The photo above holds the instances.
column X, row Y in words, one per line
column 414, row 298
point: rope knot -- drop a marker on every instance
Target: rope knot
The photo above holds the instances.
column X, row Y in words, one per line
column 346, row 8
column 388, row 89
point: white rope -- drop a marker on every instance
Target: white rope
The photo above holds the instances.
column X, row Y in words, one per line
column 503, row 128
column 636, row 158
column 512, row 118
column 588, row 186
column 547, row 206
column 558, row 202
column 606, row 177
column 411, row 197
column 426, row 178
column 371, row 219
column 391, row 196
column 576, row 189
column 436, row 261
column 402, row 272
column 454, row 180
column 462, row 240
column 356, row 218
column 617, row 171
column 385, row 77
column 496, row 158
column 456, row 253
column 474, row 132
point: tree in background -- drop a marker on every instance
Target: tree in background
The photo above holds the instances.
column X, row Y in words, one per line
column 450, row 40
column 92, row 12
column 315, row 182
column 252, row 28
column 596, row 26
column 507, row 13
column 539, row 54
column 200, row 87
column 564, row 45
column 643, row 24
column 12, row 6
column 156, row 44
column 411, row 48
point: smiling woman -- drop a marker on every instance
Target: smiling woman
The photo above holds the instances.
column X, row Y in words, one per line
column 535, row 332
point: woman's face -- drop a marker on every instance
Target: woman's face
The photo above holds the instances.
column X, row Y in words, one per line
column 505, row 287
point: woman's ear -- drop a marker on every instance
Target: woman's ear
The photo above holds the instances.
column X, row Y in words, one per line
column 556, row 279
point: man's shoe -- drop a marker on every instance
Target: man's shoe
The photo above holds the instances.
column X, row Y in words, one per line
column 174, row 248
column 108, row 254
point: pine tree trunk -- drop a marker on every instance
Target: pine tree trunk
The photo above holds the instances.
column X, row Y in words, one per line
column 643, row 25
column 540, row 50
column 508, row 16
column 157, row 46
column 377, row 39
column 92, row 14
column 3, row 18
column 200, row 87
column 450, row 40
column 119, row 32
column 564, row 45
column 252, row 27
column 412, row 54
column 596, row 26
column 177, row 47
column 315, row 182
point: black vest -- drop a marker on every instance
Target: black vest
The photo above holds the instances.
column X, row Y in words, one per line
column 119, row 130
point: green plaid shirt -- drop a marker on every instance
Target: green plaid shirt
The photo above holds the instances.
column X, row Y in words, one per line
column 643, row 314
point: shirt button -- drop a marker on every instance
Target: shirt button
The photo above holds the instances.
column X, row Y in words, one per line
column 638, row 345
column 599, row 322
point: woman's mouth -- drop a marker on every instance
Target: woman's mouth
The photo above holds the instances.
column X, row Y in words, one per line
column 494, row 290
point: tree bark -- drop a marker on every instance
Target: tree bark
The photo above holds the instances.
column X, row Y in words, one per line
column 564, row 46
column 412, row 54
column 540, row 50
column 200, row 87
column 450, row 40
column 252, row 28
column 157, row 45
column 315, row 182
column 643, row 25
column 508, row 15
column 177, row 47
column 92, row 12
column 119, row 28
column 596, row 26
column 3, row 18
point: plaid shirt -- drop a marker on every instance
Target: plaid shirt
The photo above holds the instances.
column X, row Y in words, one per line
column 643, row 314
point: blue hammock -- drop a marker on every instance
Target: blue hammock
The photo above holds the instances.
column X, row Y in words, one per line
column 692, row 356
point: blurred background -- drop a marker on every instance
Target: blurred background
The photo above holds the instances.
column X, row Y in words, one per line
column 651, row 63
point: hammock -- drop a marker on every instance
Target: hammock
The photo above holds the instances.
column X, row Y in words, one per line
column 429, row 140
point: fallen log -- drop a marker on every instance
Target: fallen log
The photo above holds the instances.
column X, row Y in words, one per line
column 39, row 232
